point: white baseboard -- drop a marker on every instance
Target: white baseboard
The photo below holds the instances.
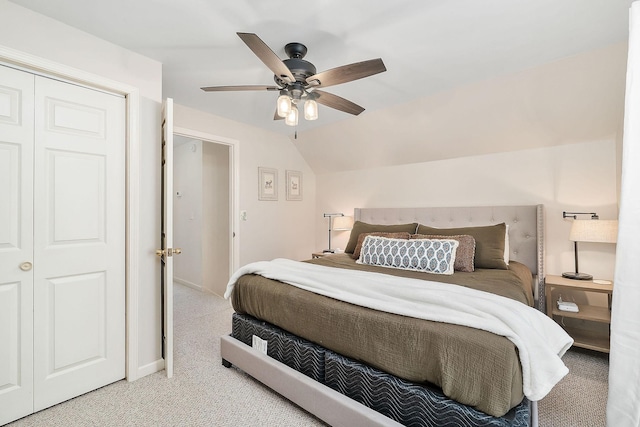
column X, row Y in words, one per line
column 210, row 292
column 187, row 283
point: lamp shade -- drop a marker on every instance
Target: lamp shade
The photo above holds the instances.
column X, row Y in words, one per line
column 594, row 230
column 310, row 109
column 283, row 105
column 342, row 223
column 292, row 116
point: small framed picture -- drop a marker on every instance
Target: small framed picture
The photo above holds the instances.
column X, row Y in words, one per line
column 294, row 185
column 267, row 184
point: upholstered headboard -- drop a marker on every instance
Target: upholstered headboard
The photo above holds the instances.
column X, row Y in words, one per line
column 526, row 228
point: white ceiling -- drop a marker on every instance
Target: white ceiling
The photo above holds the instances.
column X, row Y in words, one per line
column 428, row 46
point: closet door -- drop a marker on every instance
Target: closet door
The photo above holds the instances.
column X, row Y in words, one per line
column 16, row 244
column 79, row 241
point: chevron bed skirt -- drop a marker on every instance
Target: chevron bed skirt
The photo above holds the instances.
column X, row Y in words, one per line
column 404, row 402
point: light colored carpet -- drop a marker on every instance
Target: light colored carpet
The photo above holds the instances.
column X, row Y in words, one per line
column 580, row 398
column 204, row 393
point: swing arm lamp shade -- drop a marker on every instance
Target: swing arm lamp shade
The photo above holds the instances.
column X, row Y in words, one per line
column 594, row 231
column 342, row 223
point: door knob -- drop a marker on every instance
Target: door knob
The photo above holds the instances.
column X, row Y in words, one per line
column 169, row 252
column 26, row 266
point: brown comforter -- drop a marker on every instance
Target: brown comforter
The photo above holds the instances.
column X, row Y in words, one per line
column 474, row 367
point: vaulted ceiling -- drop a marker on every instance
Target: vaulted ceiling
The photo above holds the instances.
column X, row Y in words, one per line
column 437, row 53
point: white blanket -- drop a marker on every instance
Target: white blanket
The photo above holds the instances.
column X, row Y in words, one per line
column 540, row 341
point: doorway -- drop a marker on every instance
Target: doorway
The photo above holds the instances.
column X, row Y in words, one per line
column 204, row 211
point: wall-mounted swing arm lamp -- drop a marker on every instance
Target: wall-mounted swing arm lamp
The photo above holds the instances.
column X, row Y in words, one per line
column 574, row 215
column 592, row 230
column 337, row 222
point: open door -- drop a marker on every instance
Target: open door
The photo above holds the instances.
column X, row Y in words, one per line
column 167, row 250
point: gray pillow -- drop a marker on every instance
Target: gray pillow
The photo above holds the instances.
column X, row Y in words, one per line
column 465, row 253
column 489, row 242
column 362, row 227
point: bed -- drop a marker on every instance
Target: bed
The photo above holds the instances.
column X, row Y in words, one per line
column 322, row 349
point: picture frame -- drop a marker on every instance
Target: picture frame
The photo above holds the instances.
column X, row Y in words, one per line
column 267, row 184
column 294, row 185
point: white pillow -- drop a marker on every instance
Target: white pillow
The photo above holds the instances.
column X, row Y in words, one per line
column 427, row 255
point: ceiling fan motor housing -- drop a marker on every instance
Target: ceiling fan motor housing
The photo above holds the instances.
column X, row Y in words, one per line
column 295, row 50
column 300, row 68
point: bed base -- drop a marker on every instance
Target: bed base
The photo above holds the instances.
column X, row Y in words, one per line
column 338, row 408
column 318, row 399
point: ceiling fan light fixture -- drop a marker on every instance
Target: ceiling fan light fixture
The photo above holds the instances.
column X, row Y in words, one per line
column 292, row 117
column 284, row 105
column 297, row 80
column 310, row 109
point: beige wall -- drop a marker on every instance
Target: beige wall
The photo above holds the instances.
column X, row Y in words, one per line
column 273, row 229
column 572, row 100
column 576, row 177
column 215, row 211
column 188, row 211
column 42, row 36
column 201, row 203
column 550, row 135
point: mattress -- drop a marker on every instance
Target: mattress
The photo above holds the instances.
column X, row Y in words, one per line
column 473, row 367
column 405, row 402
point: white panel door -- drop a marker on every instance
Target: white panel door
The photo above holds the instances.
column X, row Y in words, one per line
column 79, row 241
column 16, row 244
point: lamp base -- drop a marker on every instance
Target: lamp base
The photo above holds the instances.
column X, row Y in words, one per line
column 577, row 276
column 328, row 251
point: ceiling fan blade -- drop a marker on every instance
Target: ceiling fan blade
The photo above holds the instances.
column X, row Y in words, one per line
column 266, row 55
column 232, row 88
column 347, row 73
column 337, row 102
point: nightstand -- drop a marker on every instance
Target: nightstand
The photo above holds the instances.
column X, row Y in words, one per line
column 583, row 337
column 320, row 254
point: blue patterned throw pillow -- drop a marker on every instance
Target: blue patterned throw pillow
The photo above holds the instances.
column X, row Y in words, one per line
column 428, row 255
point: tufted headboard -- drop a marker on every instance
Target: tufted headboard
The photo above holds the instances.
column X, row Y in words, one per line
column 526, row 229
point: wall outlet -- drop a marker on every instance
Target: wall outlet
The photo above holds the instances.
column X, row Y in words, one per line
column 259, row 344
column 243, row 215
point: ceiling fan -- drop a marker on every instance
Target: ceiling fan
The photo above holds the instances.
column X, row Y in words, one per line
column 297, row 80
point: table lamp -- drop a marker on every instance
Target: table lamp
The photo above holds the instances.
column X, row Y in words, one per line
column 592, row 230
column 337, row 222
